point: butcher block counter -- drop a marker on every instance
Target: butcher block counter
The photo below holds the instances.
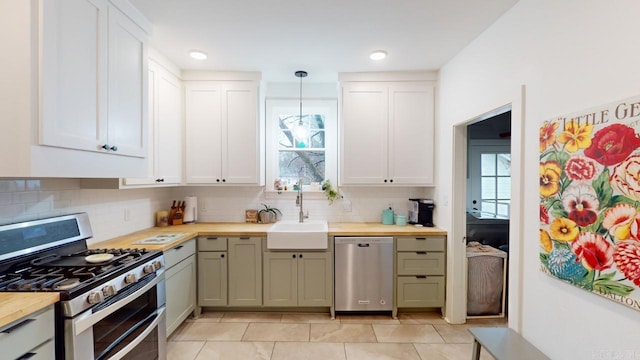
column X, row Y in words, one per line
column 190, row 231
column 14, row 306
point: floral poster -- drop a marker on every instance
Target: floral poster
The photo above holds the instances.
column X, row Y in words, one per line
column 590, row 200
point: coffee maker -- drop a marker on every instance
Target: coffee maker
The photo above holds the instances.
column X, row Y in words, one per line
column 421, row 212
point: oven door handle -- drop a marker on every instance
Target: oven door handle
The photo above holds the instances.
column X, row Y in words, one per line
column 159, row 316
column 89, row 318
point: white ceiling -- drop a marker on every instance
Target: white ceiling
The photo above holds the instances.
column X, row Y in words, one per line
column 278, row 37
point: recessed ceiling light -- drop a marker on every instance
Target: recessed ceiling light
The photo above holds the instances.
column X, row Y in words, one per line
column 378, row 55
column 198, row 55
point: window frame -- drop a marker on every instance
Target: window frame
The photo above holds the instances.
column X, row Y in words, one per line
column 324, row 106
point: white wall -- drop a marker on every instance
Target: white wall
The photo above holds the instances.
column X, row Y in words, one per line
column 571, row 55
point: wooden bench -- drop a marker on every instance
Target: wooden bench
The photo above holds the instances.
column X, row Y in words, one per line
column 503, row 344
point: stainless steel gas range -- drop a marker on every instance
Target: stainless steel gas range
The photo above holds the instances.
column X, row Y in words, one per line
column 112, row 300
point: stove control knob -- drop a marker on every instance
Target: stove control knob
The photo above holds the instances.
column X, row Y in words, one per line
column 148, row 269
column 95, row 297
column 109, row 290
column 130, row 278
column 157, row 264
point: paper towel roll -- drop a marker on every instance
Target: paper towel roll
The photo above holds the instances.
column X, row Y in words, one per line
column 190, row 209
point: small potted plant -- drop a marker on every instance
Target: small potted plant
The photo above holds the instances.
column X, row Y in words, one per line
column 268, row 214
column 329, row 191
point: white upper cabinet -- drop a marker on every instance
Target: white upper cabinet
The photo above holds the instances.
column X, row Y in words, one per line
column 411, row 134
column 76, row 84
column 127, row 84
column 74, row 74
column 94, row 71
column 364, row 132
column 165, row 129
column 223, row 131
column 387, row 133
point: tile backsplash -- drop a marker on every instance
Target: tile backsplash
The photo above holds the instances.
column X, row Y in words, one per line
column 228, row 204
column 117, row 212
column 112, row 212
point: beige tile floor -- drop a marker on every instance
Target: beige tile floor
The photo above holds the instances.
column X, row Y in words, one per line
column 284, row 336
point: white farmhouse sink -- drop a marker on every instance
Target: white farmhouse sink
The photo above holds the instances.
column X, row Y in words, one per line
column 311, row 234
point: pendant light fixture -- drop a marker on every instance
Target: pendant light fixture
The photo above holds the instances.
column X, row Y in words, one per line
column 300, row 131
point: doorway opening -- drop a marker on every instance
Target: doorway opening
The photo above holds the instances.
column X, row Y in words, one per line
column 488, row 203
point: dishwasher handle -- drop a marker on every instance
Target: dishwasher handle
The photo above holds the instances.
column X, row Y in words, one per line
column 363, row 245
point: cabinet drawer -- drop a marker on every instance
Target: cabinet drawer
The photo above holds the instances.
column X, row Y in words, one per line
column 414, row 291
column 179, row 253
column 420, row 263
column 212, row 243
column 26, row 334
column 421, row 243
column 45, row 351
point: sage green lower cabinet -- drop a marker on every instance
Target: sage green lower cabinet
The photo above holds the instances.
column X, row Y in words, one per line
column 212, row 278
column 420, row 272
column 212, row 271
column 245, row 271
column 315, row 279
column 420, row 291
column 180, row 283
column 298, row 279
column 280, row 279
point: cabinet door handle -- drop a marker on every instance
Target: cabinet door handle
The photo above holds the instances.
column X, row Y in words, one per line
column 391, row 180
column 17, row 326
column 221, row 255
column 178, row 247
column 293, row 256
column 300, row 256
column 385, row 180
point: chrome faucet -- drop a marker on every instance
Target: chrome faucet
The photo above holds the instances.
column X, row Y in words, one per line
column 301, row 215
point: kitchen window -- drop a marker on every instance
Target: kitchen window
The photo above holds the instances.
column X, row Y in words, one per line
column 301, row 147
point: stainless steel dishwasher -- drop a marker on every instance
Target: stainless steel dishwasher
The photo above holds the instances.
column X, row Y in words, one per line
column 363, row 274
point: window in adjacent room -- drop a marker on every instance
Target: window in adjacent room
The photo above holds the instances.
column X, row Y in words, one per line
column 489, row 190
column 495, row 188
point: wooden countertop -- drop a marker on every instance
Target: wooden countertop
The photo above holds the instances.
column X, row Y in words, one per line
column 14, row 306
column 190, row 231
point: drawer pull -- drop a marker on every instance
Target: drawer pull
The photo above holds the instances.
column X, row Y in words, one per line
column 245, row 238
column 421, row 238
column 421, row 252
column 27, row 356
column 178, row 247
column 212, row 238
column 17, row 326
column 421, row 276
